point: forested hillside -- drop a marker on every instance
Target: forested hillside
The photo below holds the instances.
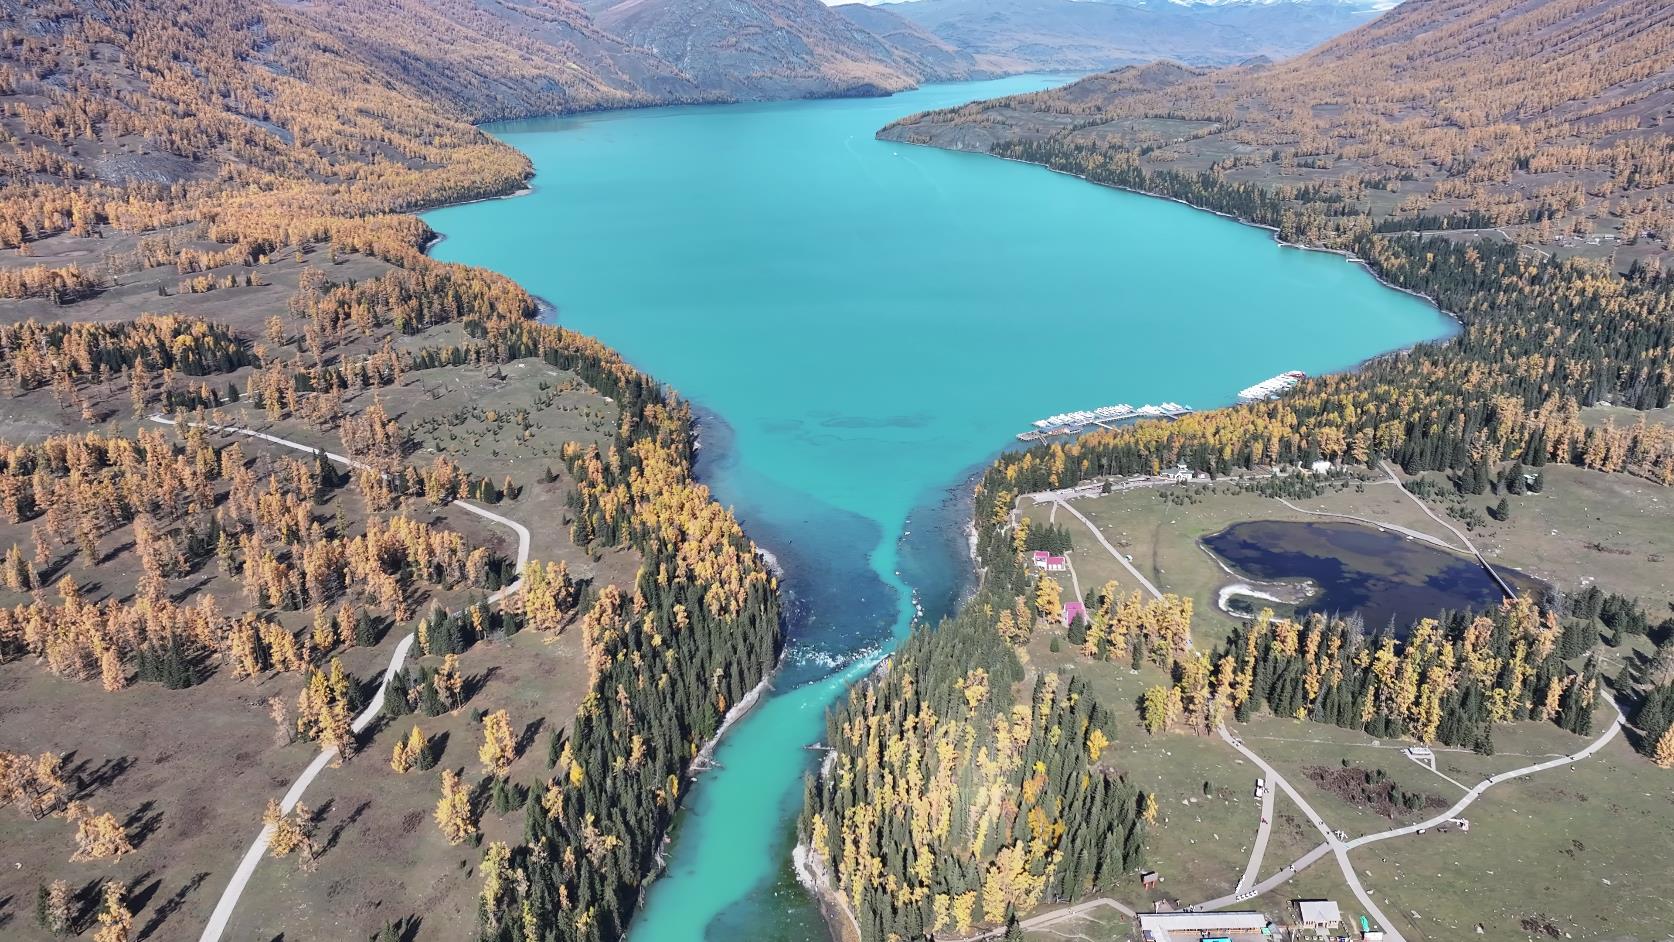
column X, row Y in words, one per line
column 1541, row 337
column 199, row 215
column 1546, row 117
column 1073, row 36
column 960, row 793
column 1501, row 124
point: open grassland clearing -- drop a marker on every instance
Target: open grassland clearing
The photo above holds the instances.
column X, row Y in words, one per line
column 1584, row 528
column 384, row 856
column 130, row 290
column 1355, row 797
column 1576, row 853
column 187, row 772
column 1102, row 924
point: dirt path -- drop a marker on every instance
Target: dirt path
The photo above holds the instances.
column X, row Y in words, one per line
column 1335, row 846
column 1111, row 549
column 1341, row 848
column 247, row 866
column 1392, row 527
column 1463, row 539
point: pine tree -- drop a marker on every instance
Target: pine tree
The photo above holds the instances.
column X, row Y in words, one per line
column 396, row 696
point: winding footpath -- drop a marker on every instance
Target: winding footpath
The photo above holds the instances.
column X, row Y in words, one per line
column 1419, row 535
column 247, row 866
column 1336, row 847
column 1340, row 848
column 1463, row 539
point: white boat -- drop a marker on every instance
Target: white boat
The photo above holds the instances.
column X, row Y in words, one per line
column 1273, row 387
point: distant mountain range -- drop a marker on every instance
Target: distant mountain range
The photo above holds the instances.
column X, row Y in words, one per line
column 1085, row 35
column 504, row 58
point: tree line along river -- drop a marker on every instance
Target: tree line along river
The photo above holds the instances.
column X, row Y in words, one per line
column 862, row 325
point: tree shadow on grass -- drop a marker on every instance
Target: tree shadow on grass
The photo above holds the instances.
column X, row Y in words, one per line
column 344, row 825
column 88, row 781
column 142, row 823
column 439, row 746
column 526, row 740
column 171, row 905
column 140, row 893
column 84, row 903
column 476, row 682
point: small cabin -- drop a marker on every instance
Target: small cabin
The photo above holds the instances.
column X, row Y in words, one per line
column 1319, row 914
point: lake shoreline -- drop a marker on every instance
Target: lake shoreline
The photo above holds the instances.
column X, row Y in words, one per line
column 808, row 872
column 1273, row 231
column 604, row 294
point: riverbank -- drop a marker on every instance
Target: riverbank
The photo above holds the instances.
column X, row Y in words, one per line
column 838, row 370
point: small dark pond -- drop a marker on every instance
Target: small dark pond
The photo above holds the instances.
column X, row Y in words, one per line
column 1383, row 577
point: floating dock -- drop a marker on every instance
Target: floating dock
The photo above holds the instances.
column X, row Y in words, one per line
column 1106, row 417
column 1272, row 388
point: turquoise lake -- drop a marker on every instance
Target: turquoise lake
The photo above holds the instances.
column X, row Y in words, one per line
column 863, row 325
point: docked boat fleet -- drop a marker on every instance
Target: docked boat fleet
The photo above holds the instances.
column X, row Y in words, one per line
column 1074, row 423
column 1272, row 387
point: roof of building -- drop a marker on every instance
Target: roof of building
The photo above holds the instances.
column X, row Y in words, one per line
column 1318, row 910
column 1188, row 922
column 1041, row 554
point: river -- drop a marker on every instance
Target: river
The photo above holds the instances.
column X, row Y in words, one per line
column 863, row 324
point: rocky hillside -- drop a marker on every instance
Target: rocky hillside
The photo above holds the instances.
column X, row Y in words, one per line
column 922, row 49
column 764, row 48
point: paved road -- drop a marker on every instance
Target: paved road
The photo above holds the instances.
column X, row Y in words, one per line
column 1290, row 870
column 1610, row 733
column 1463, row 539
column 1253, row 868
column 1458, row 808
column 1335, row 846
column 252, row 857
column 1106, row 544
column 1381, row 525
column 1069, row 560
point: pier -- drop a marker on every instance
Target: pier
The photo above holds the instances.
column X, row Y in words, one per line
column 1105, row 417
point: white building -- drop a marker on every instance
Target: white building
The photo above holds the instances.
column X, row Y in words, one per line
column 1194, row 927
column 1321, row 914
